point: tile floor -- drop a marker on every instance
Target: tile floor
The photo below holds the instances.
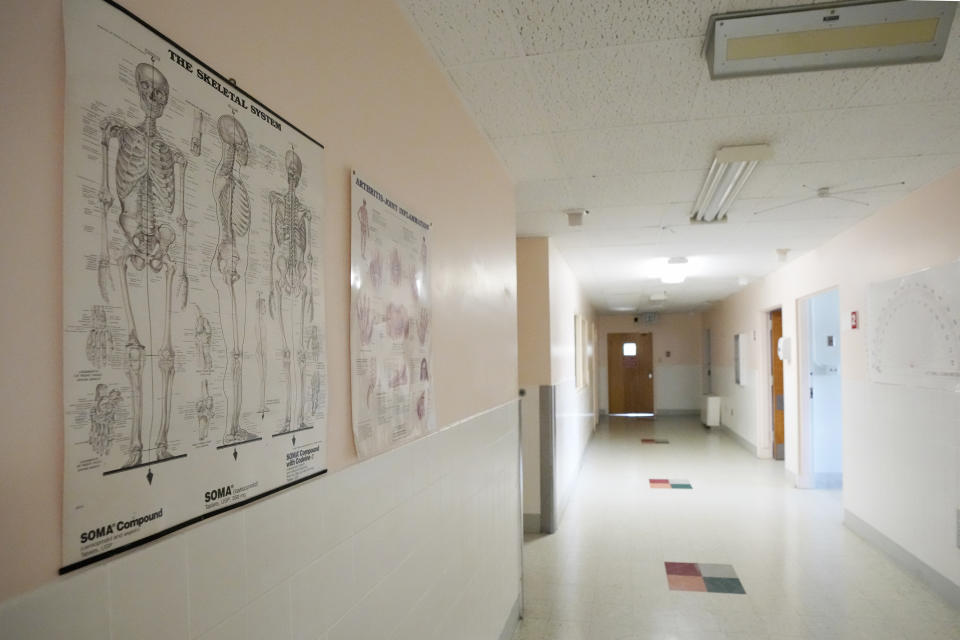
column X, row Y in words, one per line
column 602, row 575
column 673, row 483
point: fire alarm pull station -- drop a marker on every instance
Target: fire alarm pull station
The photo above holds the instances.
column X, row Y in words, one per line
column 854, row 319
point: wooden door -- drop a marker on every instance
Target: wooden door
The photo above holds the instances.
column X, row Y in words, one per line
column 630, row 372
column 776, row 389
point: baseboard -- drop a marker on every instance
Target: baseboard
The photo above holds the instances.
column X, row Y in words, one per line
column 945, row 587
column 663, row 413
column 531, row 523
column 510, row 626
column 828, row 480
column 791, row 477
column 739, row 439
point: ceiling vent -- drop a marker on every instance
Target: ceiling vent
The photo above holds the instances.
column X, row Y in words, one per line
column 575, row 217
column 827, row 36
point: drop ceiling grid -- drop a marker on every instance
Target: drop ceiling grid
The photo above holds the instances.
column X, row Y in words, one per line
column 588, row 103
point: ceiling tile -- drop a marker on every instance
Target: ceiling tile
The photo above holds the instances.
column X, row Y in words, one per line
column 783, row 93
column 631, row 150
column 888, row 131
column 500, row 95
column 542, row 195
column 530, row 158
column 464, row 31
column 619, row 86
column 789, row 135
column 612, row 191
column 560, row 25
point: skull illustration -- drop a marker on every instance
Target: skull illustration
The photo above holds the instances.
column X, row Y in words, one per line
column 294, row 168
column 233, row 133
column 154, row 90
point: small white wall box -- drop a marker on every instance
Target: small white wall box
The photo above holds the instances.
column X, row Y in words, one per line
column 710, row 411
column 783, row 349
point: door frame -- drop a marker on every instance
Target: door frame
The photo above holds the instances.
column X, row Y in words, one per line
column 770, row 352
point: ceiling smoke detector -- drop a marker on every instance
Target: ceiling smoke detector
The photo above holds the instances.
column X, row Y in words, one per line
column 575, row 217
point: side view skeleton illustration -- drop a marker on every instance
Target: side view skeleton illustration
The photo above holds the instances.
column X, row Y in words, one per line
column 204, row 410
column 149, row 182
column 103, row 416
column 229, row 265
column 291, row 277
column 99, row 340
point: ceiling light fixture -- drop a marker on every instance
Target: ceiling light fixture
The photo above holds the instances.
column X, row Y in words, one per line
column 660, row 296
column 836, row 35
column 575, row 217
column 674, row 272
column 730, row 170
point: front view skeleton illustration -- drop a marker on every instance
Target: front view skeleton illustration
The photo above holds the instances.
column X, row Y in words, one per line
column 149, row 183
column 229, row 265
column 204, row 410
column 291, row 276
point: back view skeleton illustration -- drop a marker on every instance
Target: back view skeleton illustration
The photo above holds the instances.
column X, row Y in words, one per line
column 148, row 176
column 291, row 278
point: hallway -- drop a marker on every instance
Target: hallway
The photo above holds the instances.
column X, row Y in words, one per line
column 602, row 575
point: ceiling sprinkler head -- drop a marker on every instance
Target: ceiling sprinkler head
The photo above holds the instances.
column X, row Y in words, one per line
column 575, row 216
column 782, row 254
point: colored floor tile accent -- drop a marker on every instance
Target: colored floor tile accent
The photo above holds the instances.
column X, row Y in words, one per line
column 653, row 441
column 663, row 483
column 712, row 578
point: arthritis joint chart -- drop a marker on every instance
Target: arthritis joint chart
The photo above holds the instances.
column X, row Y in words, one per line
column 390, row 332
column 194, row 345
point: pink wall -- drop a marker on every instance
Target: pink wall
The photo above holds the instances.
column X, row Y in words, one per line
column 353, row 75
column 533, row 310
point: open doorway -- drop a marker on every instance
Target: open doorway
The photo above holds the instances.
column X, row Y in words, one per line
column 777, row 413
column 821, row 415
column 630, row 373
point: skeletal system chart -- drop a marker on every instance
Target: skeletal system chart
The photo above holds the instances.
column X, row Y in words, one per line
column 194, row 345
column 390, row 331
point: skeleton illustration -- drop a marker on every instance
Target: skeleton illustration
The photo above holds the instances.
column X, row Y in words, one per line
column 423, row 324
column 291, row 278
column 364, row 228
column 229, row 265
column 196, row 137
column 99, row 340
column 149, row 183
column 398, row 323
column 422, row 406
column 424, row 374
column 313, row 343
column 262, row 351
column 203, row 336
column 204, row 410
column 423, row 252
column 103, row 415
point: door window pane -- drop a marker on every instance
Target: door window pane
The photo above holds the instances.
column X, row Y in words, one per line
column 629, row 349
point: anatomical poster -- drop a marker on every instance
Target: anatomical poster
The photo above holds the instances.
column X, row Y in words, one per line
column 390, row 330
column 193, row 312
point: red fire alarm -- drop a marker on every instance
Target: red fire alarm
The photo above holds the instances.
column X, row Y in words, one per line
column 854, row 319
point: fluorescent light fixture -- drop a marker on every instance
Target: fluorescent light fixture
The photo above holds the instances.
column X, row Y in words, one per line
column 833, row 35
column 730, row 170
column 675, row 271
